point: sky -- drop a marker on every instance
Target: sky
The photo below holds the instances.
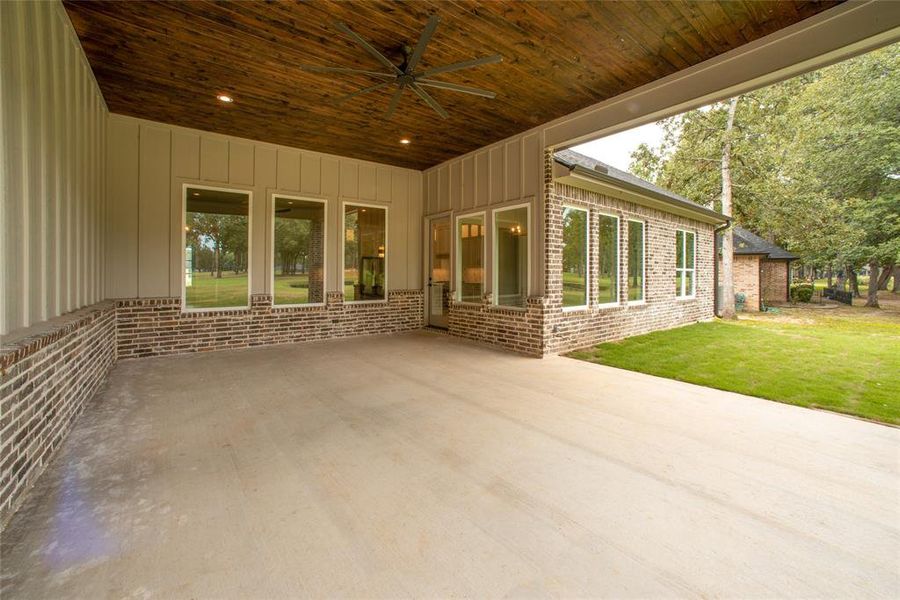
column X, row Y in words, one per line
column 616, row 149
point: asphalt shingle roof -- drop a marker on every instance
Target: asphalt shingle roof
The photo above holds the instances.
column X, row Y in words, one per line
column 570, row 159
column 747, row 242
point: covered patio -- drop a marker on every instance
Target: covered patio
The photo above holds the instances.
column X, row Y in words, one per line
column 419, row 465
column 225, row 253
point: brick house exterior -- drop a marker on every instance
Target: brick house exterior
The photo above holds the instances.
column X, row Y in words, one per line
column 544, row 326
column 761, row 270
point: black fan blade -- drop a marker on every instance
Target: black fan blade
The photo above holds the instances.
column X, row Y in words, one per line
column 394, row 101
column 430, row 101
column 484, row 60
column 416, row 56
column 371, row 49
column 326, row 69
column 364, row 90
column 457, row 88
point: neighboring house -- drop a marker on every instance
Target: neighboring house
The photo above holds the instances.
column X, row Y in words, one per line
column 762, row 270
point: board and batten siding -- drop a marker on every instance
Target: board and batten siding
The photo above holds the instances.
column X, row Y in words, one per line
column 507, row 173
column 149, row 163
column 52, row 154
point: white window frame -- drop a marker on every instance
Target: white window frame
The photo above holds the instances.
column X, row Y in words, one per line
column 681, row 295
column 495, row 275
column 457, row 256
column 587, row 263
column 617, row 301
column 387, row 247
column 324, row 203
column 235, row 190
column 643, row 299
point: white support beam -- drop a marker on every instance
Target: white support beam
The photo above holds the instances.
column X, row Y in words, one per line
column 834, row 35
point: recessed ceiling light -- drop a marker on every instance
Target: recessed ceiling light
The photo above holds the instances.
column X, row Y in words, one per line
column 404, row 140
column 225, row 98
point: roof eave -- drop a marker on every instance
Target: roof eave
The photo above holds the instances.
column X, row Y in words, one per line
column 582, row 177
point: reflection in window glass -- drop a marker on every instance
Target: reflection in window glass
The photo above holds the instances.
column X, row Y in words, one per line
column 635, row 261
column 575, row 257
column 470, row 258
column 608, row 267
column 511, row 257
column 365, row 246
column 299, row 254
column 684, row 263
column 216, row 234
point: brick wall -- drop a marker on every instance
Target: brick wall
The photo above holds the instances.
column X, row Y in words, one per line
column 544, row 327
column 774, row 280
column 746, row 280
column 661, row 309
column 518, row 330
column 48, row 373
column 157, row 326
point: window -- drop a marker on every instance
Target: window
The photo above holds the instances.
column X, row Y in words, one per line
column 608, row 261
column 470, row 258
column 575, row 256
column 298, row 268
column 216, row 247
column 511, row 256
column 635, row 261
column 365, row 252
column 685, row 246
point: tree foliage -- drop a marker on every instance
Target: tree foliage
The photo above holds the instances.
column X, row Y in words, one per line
column 815, row 161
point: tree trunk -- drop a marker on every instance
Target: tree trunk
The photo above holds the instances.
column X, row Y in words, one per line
column 896, row 286
column 885, row 276
column 872, row 296
column 854, row 282
column 728, row 311
column 217, row 264
column 830, row 275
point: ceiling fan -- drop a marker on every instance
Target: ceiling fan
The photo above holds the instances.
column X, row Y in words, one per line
column 405, row 75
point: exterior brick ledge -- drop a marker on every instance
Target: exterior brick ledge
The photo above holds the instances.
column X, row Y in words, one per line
column 24, row 342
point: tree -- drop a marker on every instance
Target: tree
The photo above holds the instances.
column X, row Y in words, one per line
column 727, row 239
column 814, row 162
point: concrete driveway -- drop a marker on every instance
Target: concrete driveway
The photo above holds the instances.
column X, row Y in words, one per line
column 418, row 465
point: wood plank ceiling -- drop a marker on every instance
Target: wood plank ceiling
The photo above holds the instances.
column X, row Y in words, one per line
column 167, row 61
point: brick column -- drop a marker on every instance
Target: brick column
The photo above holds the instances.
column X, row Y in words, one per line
column 315, row 264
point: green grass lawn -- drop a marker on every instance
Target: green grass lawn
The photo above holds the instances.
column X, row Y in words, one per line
column 573, row 289
column 844, row 359
column 206, row 291
column 291, row 289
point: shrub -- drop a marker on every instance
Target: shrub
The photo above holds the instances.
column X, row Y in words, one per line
column 801, row 292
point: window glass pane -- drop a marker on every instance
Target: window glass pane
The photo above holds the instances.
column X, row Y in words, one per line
column 635, row 260
column 365, row 248
column 216, row 247
column 470, row 258
column 689, row 249
column 608, row 276
column 299, row 257
column 574, row 257
column 679, row 281
column 679, row 249
column 689, row 283
column 511, row 261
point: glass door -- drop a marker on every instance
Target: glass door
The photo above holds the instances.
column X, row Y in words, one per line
column 438, row 271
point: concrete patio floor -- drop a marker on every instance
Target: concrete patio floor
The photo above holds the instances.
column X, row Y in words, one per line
column 418, row 465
